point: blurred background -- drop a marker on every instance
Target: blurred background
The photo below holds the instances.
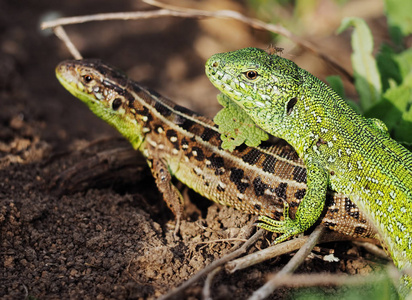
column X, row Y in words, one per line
column 167, row 54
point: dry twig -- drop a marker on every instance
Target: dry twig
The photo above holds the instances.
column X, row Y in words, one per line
column 291, row 266
column 61, row 34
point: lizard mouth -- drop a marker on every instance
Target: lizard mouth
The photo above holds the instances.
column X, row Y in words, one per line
column 67, row 77
column 221, row 79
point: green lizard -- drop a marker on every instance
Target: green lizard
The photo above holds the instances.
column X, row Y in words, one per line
column 341, row 149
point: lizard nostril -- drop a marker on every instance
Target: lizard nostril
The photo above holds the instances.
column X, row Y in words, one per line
column 215, row 64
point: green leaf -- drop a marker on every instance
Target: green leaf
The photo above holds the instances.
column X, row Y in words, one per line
column 395, row 110
column 393, row 66
column 399, row 18
column 388, row 66
column 367, row 78
column 236, row 127
column 404, row 61
column 402, row 132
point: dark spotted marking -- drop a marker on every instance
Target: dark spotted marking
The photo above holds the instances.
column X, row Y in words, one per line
column 269, row 164
column 348, row 208
column 130, row 103
column 259, row 186
column 170, row 134
column 257, row 207
column 184, row 123
column 320, row 142
column 143, row 112
column 293, row 204
column 299, row 174
column 208, row 133
column 334, row 210
column 116, row 103
column 185, row 142
column 330, row 225
column 300, row 193
column 200, row 156
column 252, row 156
column 220, row 188
column 158, row 128
column 236, row 176
column 220, row 172
column 280, row 190
column 278, row 215
column 359, row 230
column 216, row 162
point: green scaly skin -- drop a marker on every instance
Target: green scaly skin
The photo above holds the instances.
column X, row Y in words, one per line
column 341, row 149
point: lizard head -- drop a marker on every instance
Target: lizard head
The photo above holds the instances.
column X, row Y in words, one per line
column 254, row 78
column 93, row 82
column 104, row 90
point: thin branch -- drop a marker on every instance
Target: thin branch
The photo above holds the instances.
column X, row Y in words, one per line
column 61, row 34
column 291, row 266
column 307, row 280
column 265, row 254
column 219, row 241
column 374, row 249
column 138, row 15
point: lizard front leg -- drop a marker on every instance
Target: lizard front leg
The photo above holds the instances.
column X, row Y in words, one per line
column 171, row 194
column 309, row 209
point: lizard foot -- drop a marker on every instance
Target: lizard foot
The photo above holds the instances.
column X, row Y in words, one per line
column 288, row 227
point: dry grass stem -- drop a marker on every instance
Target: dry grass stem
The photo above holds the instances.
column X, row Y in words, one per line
column 61, row 34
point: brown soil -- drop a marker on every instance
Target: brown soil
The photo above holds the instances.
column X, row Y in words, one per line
column 76, row 225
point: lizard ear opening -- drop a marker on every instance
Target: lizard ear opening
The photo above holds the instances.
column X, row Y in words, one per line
column 290, row 105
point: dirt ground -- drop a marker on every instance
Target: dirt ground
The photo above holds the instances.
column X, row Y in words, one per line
column 103, row 231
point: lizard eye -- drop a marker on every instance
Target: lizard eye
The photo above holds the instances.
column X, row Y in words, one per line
column 252, row 75
column 116, row 103
column 87, row 78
